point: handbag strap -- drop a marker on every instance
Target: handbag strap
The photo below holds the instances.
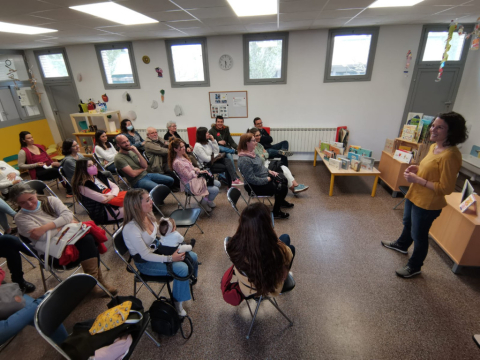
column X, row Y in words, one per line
column 47, row 248
column 191, row 327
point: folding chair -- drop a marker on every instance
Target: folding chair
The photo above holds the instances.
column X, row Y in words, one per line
column 146, row 157
column 404, row 190
column 114, row 173
column 64, row 178
column 189, row 195
column 183, row 217
column 251, row 193
column 121, row 250
column 62, row 301
column 288, row 286
column 233, row 195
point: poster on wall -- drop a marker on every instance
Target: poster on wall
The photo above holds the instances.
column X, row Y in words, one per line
column 231, row 104
column 219, row 110
column 221, row 98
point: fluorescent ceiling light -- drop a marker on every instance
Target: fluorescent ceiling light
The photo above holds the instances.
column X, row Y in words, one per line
column 23, row 29
column 254, row 7
column 394, row 3
column 114, row 12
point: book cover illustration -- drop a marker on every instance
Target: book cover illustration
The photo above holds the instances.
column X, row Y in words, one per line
column 413, row 118
column 408, row 132
column 367, row 163
column 353, row 156
column 364, row 152
column 389, row 145
column 324, row 146
column 355, row 165
column 403, row 156
column 469, row 201
column 337, row 164
column 345, row 164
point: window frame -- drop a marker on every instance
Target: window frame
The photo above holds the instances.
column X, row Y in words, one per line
column 188, row 41
column 371, row 30
column 52, row 51
column 114, row 46
column 246, row 58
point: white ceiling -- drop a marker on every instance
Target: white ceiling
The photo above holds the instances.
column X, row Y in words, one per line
column 184, row 18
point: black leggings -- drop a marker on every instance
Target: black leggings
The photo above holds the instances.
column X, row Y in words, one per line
column 50, row 174
column 219, row 167
column 272, row 189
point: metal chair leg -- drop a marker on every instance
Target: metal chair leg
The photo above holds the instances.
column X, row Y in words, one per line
column 199, row 228
column 151, row 337
column 281, row 312
column 399, row 203
column 248, row 304
column 106, row 266
column 254, row 316
column 21, row 254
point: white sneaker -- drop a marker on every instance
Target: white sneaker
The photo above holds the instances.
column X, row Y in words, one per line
column 204, row 203
column 180, row 310
column 211, row 204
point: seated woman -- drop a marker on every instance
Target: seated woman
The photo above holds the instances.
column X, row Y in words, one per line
column 97, row 193
column 134, row 137
column 262, row 262
column 263, row 154
column 34, row 158
column 8, row 177
column 207, row 146
column 105, row 151
column 172, row 133
column 140, row 231
column 179, row 161
column 38, row 215
column 260, row 178
column 71, row 150
column 12, row 323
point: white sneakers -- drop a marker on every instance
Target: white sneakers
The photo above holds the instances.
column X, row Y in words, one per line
column 180, row 310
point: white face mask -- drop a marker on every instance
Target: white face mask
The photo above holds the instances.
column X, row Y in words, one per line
column 130, row 127
column 36, row 209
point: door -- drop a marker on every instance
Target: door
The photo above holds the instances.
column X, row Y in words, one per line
column 8, row 110
column 426, row 95
column 64, row 101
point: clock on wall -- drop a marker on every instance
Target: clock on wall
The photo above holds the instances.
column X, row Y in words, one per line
column 225, row 62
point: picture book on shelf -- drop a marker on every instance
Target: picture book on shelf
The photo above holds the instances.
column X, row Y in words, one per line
column 413, row 118
column 327, row 154
column 406, row 148
column 353, row 148
column 353, row 156
column 408, row 132
column 367, row 163
column 422, row 130
column 355, row 165
column 337, row 164
column 324, row 146
column 364, row 152
column 389, row 145
column 345, row 163
column 336, row 150
column 403, row 156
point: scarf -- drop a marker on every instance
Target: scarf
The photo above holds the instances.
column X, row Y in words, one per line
column 247, row 153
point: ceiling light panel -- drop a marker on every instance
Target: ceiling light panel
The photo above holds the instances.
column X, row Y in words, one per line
column 254, row 7
column 394, row 3
column 116, row 13
column 23, row 29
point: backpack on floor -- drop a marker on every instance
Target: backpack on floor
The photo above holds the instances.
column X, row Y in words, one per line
column 165, row 319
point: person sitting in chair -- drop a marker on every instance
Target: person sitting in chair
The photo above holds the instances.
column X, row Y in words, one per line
column 8, row 177
column 279, row 150
column 132, row 135
column 71, row 150
column 105, row 151
column 172, row 134
column 221, row 133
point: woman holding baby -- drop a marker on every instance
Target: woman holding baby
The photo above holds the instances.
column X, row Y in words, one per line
column 142, row 232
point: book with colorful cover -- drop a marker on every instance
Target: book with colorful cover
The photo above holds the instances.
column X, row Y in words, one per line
column 353, row 156
column 403, row 156
column 353, row 148
column 422, row 130
column 336, row 150
column 324, row 146
column 337, row 164
column 345, row 163
column 367, row 163
column 364, row 152
column 355, row 165
column 327, row 154
column 408, row 132
column 389, row 145
column 406, row 148
column 413, row 118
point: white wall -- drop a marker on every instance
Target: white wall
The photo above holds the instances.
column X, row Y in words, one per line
column 466, row 102
column 372, row 110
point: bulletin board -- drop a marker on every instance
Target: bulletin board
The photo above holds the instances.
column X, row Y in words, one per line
column 229, row 104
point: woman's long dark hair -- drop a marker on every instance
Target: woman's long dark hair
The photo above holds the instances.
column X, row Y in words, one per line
column 23, row 143
column 80, row 176
column 67, row 147
column 202, row 135
column 123, row 126
column 99, row 142
column 175, row 144
column 254, row 249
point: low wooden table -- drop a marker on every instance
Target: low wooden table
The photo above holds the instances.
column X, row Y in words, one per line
column 336, row 172
column 457, row 233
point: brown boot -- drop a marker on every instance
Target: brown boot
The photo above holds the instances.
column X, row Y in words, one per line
column 90, row 267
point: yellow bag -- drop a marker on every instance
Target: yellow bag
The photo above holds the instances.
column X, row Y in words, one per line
column 114, row 317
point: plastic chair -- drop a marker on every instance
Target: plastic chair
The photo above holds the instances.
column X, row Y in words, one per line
column 288, row 286
column 189, row 195
column 121, row 250
column 183, row 217
column 192, row 135
column 251, row 193
column 404, row 190
column 62, row 301
column 114, row 173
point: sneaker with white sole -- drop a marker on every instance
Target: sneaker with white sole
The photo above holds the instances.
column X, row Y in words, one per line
column 394, row 246
column 407, row 272
column 285, row 152
column 180, row 310
column 204, row 203
column 211, row 204
column 299, row 188
column 237, row 183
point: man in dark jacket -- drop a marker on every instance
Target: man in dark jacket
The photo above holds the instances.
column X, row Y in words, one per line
column 279, row 150
column 221, row 133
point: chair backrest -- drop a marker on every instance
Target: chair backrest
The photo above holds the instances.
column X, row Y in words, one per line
column 10, row 158
column 267, row 129
column 246, row 185
column 62, row 174
column 233, row 195
column 56, row 307
column 119, row 242
column 158, row 194
column 97, row 160
column 192, row 135
column 146, row 157
column 39, row 186
column 227, row 239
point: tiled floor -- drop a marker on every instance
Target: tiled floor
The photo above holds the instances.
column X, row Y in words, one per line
column 348, row 302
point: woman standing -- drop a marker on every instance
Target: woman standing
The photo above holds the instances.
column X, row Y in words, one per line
column 261, row 259
column 133, row 136
column 105, row 151
column 430, row 181
column 179, row 161
column 140, row 232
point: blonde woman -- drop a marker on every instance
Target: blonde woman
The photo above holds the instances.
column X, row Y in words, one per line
column 140, row 233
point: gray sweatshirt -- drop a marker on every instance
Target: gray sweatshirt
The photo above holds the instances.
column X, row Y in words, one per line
column 253, row 170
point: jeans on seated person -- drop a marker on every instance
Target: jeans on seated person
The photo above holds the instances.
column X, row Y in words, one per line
column 273, row 152
column 16, row 322
column 181, row 289
column 111, row 168
column 228, row 153
column 285, row 238
column 149, row 181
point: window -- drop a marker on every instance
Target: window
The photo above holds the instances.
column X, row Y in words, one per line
column 14, row 62
column 435, row 46
column 117, row 65
column 265, row 58
column 188, row 62
column 53, row 64
column 350, row 54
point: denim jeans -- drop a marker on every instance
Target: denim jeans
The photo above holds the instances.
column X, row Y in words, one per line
column 4, row 210
column 416, row 225
column 181, row 289
column 111, row 168
column 212, row 190
column 228, row 153
column 16, row 322
column 285, row 238
column 149, row 181
column 273, row 152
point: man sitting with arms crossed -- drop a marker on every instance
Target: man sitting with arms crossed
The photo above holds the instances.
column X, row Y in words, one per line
column 157, row 152
column 279, row 150
column 133, row 165
column 221, row 133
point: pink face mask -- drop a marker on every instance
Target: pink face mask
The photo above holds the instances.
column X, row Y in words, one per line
column 92, row 170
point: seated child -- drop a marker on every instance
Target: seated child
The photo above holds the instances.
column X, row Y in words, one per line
column 170, row 239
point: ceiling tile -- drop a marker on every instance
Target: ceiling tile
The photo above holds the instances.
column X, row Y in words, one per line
column 222, row 21
column 238, row 29
column 258, row 19
column 134, row 28
column 170, row 15
column 291, row 25
column 261, row 27
column 328, row 23
column 147, row 6
column 299, row 16
column 348, row 4
column 302, row 6
column 338, row 14
column 214, row 12
column 186, row 24
column 61, row 14
column 23, row 7
column 192, row 4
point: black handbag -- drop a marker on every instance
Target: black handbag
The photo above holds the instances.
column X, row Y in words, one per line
column 208, row 178
column 165, row 319
column 279, row 181
column 275, row 165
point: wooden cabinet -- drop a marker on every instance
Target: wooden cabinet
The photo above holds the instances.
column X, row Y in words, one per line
column 392, row 172
column 457, row 233
column 89, row 118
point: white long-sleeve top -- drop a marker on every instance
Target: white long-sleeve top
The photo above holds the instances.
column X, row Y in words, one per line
column 6, row 169
column 204, row 152
column 108, row 155
column 138, row 242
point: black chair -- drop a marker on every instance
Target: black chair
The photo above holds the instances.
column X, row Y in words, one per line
column 62, row 301
column 114, row 173
column 184, row 218
column 39, row 186
column 121, row 250
column 251, row 193
column 146, row 157
column 64, row 178
column 404, row 190
column 288, row 285
column 21, row 254
column 189, row 195
column 233, row 195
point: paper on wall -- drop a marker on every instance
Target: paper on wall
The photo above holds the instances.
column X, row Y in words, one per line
column 239, row 101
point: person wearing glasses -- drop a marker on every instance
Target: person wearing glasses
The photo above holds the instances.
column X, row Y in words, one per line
column 279, row 150
column 259, row 178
